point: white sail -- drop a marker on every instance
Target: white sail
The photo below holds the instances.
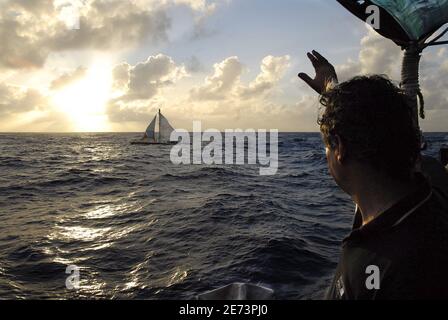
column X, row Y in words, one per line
column 150, row 131
column 158, row 132
column 165, row 129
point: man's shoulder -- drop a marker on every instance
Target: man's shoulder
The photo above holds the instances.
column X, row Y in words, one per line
column 439, row 201
column 436, row 173
column 431, row 220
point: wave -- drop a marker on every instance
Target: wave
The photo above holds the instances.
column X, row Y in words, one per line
column 204, row 173
column 141, row 227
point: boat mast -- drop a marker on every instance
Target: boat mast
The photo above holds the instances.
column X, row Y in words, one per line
column 159, row 127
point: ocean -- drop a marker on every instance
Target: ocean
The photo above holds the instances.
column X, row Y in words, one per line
column 139, row 227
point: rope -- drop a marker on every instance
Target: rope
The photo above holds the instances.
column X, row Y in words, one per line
column 434, row 42
column 422, row 104
column 410, row 79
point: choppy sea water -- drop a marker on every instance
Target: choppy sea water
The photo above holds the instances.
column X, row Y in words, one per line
column 140, row 227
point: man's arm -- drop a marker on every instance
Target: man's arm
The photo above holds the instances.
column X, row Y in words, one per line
column 325, row 73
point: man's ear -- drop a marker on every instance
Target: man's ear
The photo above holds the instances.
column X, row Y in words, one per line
column 340, row 150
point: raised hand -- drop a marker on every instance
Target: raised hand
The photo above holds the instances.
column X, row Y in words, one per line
column 325, row 72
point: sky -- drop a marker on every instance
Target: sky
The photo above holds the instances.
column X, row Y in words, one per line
column 109, row 65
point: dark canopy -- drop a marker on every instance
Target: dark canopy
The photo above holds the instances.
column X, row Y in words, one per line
column 403, row 20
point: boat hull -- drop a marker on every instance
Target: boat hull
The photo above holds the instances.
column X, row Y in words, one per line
column 146, row 143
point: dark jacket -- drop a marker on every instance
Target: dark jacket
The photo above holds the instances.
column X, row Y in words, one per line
column 406, row 247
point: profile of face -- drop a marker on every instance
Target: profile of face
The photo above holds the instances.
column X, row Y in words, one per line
column 336, row 163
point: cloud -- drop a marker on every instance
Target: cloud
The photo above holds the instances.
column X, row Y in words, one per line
column 155, row 72
column 112, row 24
column 16, row 100
column 434, row 80
column 272, row 69
column 68, row 78
column 120, row 76
column 223, row 98
column 225, row 83
column 194, row 65
column 201, row 30
column 31, row 30
column 199, row 5
column 222, row 83
column 377, row 55
column 144, row 80
column 138, row 84
column 133, row 111
column 27, row 109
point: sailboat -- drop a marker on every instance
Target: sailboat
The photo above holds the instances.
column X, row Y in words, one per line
column 151, row 136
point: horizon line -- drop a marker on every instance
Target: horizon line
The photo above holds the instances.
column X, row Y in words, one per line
column 2, row 132
column 136, row 132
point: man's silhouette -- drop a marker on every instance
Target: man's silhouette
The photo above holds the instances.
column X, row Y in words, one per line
column 398, row 248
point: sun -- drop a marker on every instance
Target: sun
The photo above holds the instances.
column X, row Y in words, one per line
column 84, row 101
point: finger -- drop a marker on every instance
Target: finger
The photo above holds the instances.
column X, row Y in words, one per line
column 309, row 81
column 319, row 56
column 313, row 60
column 306, row 78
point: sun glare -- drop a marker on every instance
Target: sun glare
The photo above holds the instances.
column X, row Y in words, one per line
column 84, row 101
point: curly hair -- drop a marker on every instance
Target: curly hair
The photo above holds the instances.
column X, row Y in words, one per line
column 373, row 118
